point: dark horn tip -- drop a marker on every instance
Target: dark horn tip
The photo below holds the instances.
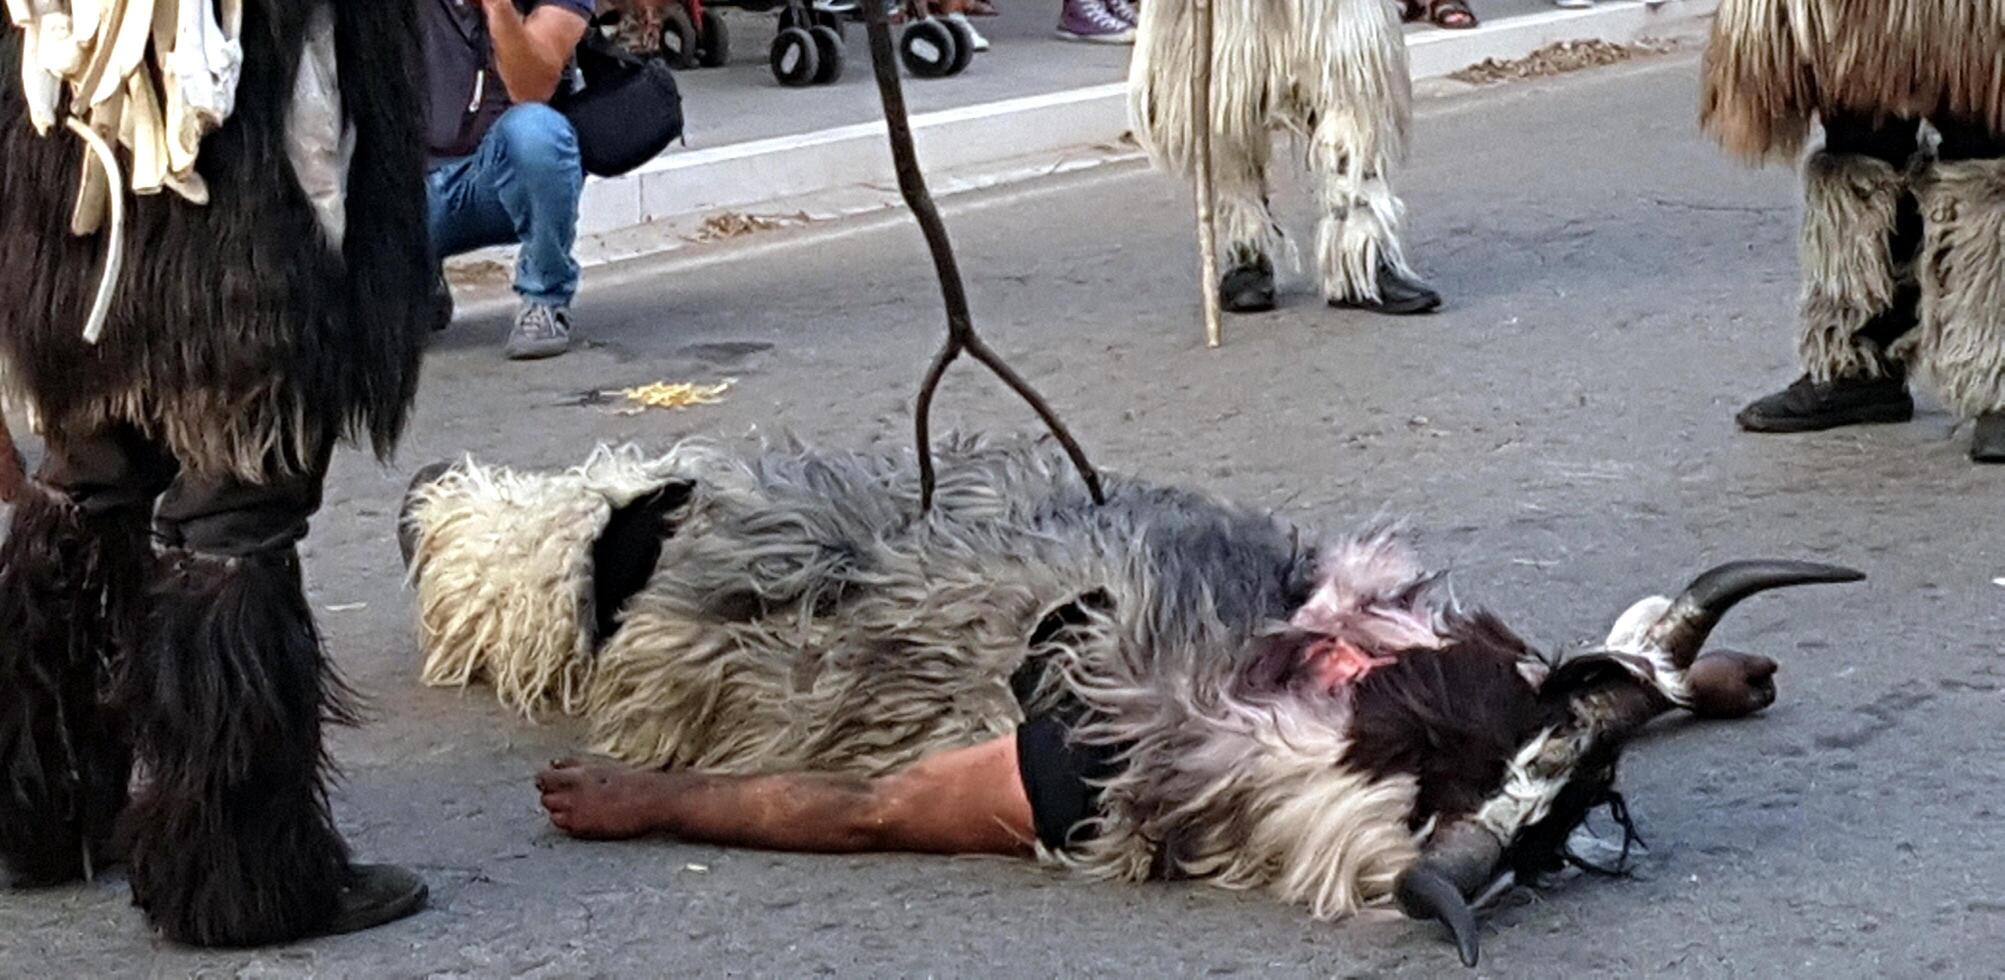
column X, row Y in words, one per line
column 1781, row 571
column 1427, row 894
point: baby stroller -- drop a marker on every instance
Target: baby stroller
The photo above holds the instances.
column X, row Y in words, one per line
column 809, row 48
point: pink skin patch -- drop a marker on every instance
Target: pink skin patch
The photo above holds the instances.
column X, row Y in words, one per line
column 1337, row 664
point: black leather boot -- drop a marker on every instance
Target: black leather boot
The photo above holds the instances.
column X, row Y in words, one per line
column 1987, row 444
column 1813, row 406
column 1397, row 296
column 1247, row 287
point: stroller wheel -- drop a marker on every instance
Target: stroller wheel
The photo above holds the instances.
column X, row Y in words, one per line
column 832, row 21
column 678, row 38
column 713, row 42
column 794, row 58
column 929, row 48
column 828, row 49
column 814, row 17
column 964, row 46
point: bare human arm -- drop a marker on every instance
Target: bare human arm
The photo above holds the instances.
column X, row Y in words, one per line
column 530, row 52
column 964, row 801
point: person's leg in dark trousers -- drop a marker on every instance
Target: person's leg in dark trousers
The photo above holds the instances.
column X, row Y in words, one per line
column 521, row 187
column 72, row 585
column 1960, row 347
column 1861, row 226
column 232, row 841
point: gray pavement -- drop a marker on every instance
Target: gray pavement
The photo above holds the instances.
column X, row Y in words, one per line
column 741, row 101
column 1560, row 435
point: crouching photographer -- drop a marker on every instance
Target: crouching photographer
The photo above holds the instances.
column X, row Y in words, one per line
column 526, row 98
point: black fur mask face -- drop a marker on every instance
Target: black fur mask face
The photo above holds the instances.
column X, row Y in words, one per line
column 1574, row 692
column 1543, row 848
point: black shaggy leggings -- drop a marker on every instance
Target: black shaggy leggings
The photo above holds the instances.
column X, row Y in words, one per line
column 154, row 621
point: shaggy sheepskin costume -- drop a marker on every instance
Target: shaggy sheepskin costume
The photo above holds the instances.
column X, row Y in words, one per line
column 798, row 618
column 1903, row 241
column 162, row 682
column 1314, row 717
column 1331, row 73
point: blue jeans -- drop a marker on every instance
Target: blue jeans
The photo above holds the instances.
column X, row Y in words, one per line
column 521, row 185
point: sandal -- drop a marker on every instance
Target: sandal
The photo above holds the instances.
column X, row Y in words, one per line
column 1453, row 15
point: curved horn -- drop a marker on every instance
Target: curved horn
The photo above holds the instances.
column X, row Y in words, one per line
column 1458, row 860
column 1692, row 616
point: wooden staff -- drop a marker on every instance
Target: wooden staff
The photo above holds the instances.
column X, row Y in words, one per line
column 961, row 336
column 1207, row 194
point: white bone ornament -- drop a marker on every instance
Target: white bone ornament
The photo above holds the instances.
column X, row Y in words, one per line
column 58, row 49
column 98, row 63
column 206, row 62
column 95, row 186
column 158, row 108
column 124, row 42
column 1634, row 624
column 43, row 91
column 147, row 139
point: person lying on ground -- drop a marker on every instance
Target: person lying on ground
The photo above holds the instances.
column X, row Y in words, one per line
column 789, row 654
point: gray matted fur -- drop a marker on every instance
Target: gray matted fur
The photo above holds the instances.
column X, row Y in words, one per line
column 799, row 618
column 1849, row 276
column 1960, row 347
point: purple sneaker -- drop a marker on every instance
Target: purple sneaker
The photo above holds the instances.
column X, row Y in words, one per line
column 1093, row 22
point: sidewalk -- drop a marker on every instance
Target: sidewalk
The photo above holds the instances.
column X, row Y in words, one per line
column 1033, row 104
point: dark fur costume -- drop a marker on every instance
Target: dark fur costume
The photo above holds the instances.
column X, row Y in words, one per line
column 240, row 346
column 232, row 841
column 68, row 593
column 237, row 335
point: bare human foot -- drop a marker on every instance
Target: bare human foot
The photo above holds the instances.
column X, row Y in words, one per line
column 605, row 802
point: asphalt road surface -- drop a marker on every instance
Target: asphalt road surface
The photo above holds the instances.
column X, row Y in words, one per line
column 1560, row 436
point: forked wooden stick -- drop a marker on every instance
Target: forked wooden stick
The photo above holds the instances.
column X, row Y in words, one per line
column 1207, row 193
column 961, row 336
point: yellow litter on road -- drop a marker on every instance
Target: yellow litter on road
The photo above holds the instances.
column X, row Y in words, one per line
column 662, row 394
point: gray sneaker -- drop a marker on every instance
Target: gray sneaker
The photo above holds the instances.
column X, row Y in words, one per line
column 540, row 331
column 1091, row 21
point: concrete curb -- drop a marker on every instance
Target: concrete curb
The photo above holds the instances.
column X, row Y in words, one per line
column 1439, row 53
column 745, row 175
column 964, row 146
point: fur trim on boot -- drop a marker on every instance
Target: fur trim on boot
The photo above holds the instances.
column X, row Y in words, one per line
column 1960, row 347
column 231, row 840
column 69, row 592
column 503, row 569
column 1358, row 234
column 1849, row 275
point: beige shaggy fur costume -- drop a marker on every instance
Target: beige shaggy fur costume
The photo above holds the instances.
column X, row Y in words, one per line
column 1331, row 73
